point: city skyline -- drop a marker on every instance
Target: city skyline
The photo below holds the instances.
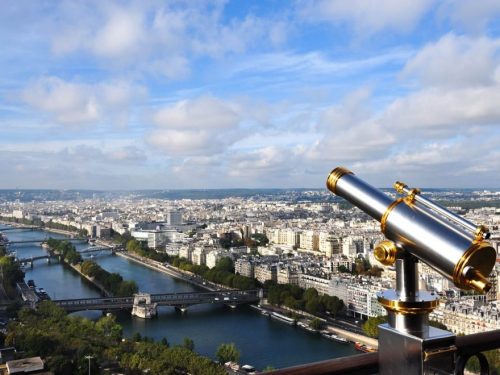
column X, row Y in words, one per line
column 214, row 94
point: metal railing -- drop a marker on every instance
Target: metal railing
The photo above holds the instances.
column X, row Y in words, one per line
column 467, row 347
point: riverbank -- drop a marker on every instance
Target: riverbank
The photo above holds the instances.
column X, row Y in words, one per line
column 351, row 336
column 95, row 283
column 169, row 270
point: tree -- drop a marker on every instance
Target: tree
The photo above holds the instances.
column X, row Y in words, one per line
column 371, row 325
column 227, row 353
column 260, row 238
column 343, row 269
column 109, row 328
column 225, row 264
column 136, row 337
column 310, row 294
column 316, row 324
column 188, row 343
column 313, row 306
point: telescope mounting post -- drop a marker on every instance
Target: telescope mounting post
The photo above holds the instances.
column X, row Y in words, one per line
column 407, row 344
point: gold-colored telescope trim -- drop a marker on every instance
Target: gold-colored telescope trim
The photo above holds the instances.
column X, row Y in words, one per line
column 385, row 216
column 333, row 177
column 408, row 307
column 399, row 187
column 475, row 278
column 481, row 232
column 385, row 252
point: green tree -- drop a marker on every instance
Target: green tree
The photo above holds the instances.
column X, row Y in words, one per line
column 313, row 306
column 188, row 343
column 225, row 264
column 227, row 352
column 260, row 238
column 343, row 269
column 108, row 327
column 310, row 294
column 370, row 327
column 316, row 324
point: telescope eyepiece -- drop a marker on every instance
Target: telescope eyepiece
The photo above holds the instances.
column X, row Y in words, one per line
column 334, row 176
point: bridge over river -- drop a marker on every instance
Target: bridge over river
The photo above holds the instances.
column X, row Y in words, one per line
column 179, row 300
column 90, row 250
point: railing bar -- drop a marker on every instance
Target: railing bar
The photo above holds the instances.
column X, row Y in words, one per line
column 478, row 342
column 357, row 364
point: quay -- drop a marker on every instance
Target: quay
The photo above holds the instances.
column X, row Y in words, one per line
column 172, row 271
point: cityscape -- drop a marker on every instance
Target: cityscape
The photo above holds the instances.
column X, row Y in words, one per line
column 296, row 238
column 219, row 187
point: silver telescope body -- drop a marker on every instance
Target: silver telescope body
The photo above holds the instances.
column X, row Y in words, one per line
column 451, row 245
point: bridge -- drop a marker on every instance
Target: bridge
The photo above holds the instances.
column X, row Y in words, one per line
column 44, row 240
column 178, row 300
column 97, row 249
column 32, row 259
column 20, row 228
column 47, row 257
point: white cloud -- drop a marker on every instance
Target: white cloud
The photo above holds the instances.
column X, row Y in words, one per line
column 365, row 16
column 316, row 63
column 68, row 102
column 160, row 38
column 203, row 126
column 455, row 61
column 123, row 33
column 474, row 16
column 78, row 103
column 433, row 112
column 204, row 113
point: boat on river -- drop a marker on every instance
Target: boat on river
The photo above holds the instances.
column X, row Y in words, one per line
column 364, row 348
column 282, row 318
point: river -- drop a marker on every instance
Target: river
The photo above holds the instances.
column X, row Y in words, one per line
column 261, row 341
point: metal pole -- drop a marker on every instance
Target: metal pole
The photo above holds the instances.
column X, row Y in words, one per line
column 89, row 357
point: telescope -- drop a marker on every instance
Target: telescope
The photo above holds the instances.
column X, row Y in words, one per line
column 417, row 229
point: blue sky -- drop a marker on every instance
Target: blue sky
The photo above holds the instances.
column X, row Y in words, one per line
column 216, row 94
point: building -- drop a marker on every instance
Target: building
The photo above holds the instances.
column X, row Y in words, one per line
column 244, row 267
column 174, row 217
column 30, row 365
column 102, row 232
column 287, row 276
column 264, row 272
column 329, row 245
column 199, row 256
column 185, row 252
column 309, row 241
column 321, row 284
column 468, row 316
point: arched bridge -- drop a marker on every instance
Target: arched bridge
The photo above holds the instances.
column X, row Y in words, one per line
column 180, row 300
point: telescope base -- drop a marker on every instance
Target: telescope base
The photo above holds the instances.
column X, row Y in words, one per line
column 404, row 353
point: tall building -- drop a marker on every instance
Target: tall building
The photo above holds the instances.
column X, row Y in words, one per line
column 174, row 217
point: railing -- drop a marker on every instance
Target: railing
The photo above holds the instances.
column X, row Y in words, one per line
column 467, row 347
